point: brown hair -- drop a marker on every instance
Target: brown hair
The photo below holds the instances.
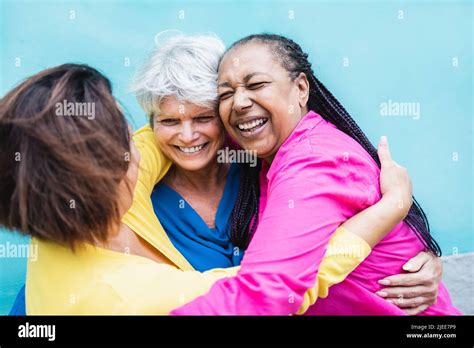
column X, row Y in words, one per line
column 59, row 170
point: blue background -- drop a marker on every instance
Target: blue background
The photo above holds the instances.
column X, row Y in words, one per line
column 399, row 51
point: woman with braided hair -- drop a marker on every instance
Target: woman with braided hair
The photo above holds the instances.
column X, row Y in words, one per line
column 318, row 169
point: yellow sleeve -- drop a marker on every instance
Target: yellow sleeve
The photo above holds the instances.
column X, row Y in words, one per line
column 141, row 217
column 153, row 163
column 96, row 281
column 173, row 287
column 157, row 289
column 345, row 252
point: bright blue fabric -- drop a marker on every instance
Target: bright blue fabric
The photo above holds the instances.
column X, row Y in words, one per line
column 19, row 306
column 203, row 247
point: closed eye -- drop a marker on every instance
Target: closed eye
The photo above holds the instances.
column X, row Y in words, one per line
column 169, row 121
column 225, row 95
column 203, row 119
column 256, row 85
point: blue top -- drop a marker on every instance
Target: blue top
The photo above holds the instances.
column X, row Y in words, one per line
column 204, row 247
column 19, row 306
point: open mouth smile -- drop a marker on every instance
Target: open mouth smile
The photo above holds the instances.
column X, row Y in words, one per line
column 252, row 127
column 191, row 150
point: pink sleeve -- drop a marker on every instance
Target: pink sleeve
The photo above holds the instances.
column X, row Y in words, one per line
column 309, row 196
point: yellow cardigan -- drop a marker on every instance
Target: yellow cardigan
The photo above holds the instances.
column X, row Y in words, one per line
column 94, row 280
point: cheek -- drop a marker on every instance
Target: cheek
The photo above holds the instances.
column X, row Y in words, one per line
column 224, row 112
column 134, row 175
column 131, row 177
column 228, row 129
column 215, row 131
column 164, row 135
column 281, row 99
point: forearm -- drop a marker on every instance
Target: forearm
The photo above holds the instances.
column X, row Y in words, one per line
column 152, row 289
column 373, row 224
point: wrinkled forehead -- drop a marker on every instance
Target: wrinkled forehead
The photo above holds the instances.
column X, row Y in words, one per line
column 247, row 59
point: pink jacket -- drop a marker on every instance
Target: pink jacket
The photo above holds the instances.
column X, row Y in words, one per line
column 319, row 178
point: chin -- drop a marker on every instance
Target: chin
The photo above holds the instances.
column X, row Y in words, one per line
column 262, row 148
column 193, row 165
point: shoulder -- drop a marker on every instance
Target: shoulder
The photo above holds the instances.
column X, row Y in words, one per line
column 326, row 159
column 152, row 158
column 144, row 135
column 324, row 147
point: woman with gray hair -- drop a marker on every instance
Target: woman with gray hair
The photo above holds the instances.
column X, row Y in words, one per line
column 177, row 88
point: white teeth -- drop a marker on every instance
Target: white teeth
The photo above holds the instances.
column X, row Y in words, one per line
column 251, row 124
column 191, row 149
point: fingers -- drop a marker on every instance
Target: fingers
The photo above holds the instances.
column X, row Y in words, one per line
column 415, row 263
column 408, row 303
column 410, row 279
column 403, row 292
column 416, row 310
column 384, row 151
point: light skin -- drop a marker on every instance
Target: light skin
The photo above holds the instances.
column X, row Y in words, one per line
column 260, row 105
column 196, row 176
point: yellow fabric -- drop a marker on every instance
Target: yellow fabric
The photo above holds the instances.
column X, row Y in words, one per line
column 345, row 252
column 141, row 217
column 96, row 281
column 99, row 281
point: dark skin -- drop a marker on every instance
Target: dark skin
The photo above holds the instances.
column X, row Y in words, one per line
column 253, row 84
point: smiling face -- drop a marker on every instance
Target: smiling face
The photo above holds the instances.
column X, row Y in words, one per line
column 188, row 134
column 259, row 104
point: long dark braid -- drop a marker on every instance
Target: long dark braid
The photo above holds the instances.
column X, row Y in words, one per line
column 245, row 213
column 295, row 61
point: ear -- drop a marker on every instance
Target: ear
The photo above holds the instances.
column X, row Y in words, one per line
column 302, row 84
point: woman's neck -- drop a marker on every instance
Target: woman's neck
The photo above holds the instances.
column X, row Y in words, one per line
column 304, row 112
column 123, row 240
column 117, row 238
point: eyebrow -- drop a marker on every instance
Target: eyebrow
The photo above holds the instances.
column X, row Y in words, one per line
column 204, row 113
column 245, row 80
column 164, row 115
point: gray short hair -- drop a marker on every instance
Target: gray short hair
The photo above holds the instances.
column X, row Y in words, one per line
column 181, row 66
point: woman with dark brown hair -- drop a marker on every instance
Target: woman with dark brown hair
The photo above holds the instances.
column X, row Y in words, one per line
column 69, row 168
column 44, row 150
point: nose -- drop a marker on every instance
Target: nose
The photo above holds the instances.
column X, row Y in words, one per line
column 241, row 101
column 187, row 134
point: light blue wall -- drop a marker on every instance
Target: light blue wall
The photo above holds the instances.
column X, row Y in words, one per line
column 407, row 59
